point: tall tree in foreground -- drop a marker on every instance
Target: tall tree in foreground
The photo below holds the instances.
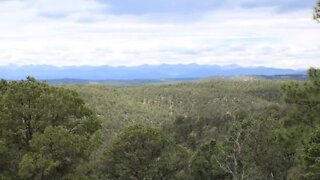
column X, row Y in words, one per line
column 306, row 99
column 312, row 156
column 43, row 130
column 304, row 121
column 143, row 153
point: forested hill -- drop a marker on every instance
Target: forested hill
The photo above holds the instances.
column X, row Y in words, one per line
column 122, row 106
column 226, row 129
column 176, row 81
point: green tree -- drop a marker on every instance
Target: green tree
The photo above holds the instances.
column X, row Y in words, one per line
column 312, row 157
column 255, row 148
column 143, row 153
column 229, row 159
column 53, row 154
column 304, row 118
column 306, row 100
column 204, row 163
column 28, row 108
column 268, row 144
column 194, row 131
column 5, row 160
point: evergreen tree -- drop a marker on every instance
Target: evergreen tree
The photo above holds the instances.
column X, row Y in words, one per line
column 205, row 164
column 31, row 114
column 312, row 157
column 143, row 153
column 304, row 120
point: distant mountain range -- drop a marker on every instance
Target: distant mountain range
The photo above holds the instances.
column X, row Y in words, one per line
column 164, row 71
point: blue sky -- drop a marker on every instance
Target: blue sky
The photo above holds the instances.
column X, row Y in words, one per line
column 201, row 6
column 274, row 33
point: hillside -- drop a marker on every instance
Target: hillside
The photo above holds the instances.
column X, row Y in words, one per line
column 253, row 126
column 122, row 106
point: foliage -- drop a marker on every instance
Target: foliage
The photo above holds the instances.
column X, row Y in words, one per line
column 195, row 113
column 220, row 129
column 32, row 117
column 312, row 157
column 143, row 153
column 53, row 154
column 306, row 97
column 192, row 132
column 205, row 165
column 271, row 150
column 160, row 105
column 304, row 118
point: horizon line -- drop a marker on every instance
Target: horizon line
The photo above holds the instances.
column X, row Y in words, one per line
column 151, row 65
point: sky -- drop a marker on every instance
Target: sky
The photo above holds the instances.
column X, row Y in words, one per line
column 272, row 33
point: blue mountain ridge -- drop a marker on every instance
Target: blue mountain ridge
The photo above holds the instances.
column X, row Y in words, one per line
column 163, row 71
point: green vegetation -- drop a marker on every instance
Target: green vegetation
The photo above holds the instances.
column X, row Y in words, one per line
column 159, row 105
column 143, row 153
column 45, row 131
column 224, row 129
column 212, row 129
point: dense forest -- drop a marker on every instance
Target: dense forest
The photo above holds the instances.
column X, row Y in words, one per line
column 220, row 129
column 211, row 129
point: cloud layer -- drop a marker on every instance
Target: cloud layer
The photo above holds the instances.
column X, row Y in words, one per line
column 280, row 33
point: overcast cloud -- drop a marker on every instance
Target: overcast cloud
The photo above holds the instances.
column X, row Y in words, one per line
column 277, row 33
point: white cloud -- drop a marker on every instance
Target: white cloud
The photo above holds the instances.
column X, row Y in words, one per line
column 32, row 32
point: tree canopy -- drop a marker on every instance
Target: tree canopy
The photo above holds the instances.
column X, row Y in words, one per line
column 143, row 153
column 42, row 127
